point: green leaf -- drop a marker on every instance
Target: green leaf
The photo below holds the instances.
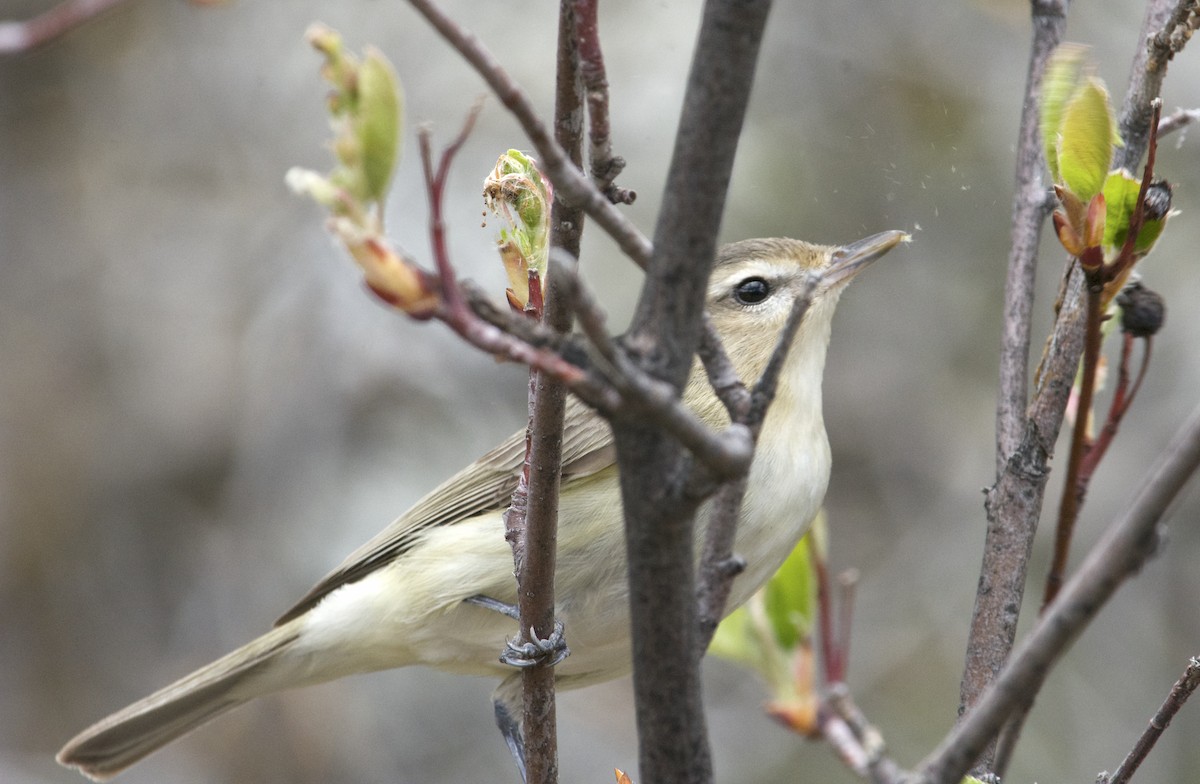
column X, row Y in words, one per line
column 1085, row 140
column 791, row 597
column 1063, row 73
column 1120, row 194
column 379, row 109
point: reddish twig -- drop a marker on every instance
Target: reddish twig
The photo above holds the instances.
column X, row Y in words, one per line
column 435, row 184
column 1122, row 399
column 1119, row 555
column 19, row 37
column 605, row 167
column 1076, row 482
column 568, row 181
column 1073, row 491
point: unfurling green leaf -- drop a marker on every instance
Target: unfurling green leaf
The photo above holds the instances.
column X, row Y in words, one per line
column 791, row 597
column 517, row 192
column 380, row 107
column 1121, row 192
column 1062, row 76
column 1085, row 140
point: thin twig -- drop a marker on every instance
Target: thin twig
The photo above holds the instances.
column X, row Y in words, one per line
column 1179, row 694
column 1076, row 483
column 1073, row 489
column 19, row 37
column 435, row 184
column 716, row 578
column 1177, row 120
column 604, row 166
column 569, row 182
column 1121, row 552
column 722, row 376
column 1122, row 399
column 535, row 566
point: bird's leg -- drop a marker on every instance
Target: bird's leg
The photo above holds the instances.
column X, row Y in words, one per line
column 510, row 728
column 549, row 651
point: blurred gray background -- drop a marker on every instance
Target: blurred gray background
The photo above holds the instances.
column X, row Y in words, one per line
column 201, row 411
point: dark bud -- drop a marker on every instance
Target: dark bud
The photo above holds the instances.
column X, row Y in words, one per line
column 1158, row 200
column 1142, row 310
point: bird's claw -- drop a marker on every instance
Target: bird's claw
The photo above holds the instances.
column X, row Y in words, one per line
column 549, row 651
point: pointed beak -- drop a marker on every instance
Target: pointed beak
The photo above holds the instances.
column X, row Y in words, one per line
column 848, row 260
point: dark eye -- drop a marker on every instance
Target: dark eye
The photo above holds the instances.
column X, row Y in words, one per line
column 752, row 291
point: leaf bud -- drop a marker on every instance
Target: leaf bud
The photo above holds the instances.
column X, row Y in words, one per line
column 1142, row 310
column 1158, row 200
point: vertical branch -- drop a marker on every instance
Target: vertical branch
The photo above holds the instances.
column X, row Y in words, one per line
column 659, row 523
column 1024, row 439
column 1146, row 76
column 604, row 165
column 1119, row 554
column 547, row 401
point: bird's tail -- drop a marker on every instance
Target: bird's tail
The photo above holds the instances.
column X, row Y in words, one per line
column 113, row 744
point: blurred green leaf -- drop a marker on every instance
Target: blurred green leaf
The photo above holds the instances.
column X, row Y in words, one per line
column 1063, row 73
column 791, row 597
column 1121, row 192
column 1085, row 140
column 380, row 106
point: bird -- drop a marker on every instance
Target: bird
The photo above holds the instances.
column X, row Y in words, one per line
column 425, row 590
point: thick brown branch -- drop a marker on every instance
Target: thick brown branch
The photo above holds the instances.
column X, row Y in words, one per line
column 667, row 327
column 1121, row 552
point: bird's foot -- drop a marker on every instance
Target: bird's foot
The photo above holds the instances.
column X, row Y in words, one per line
column 549, row 651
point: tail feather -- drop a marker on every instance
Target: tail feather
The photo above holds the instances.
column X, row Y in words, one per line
column 113, row 744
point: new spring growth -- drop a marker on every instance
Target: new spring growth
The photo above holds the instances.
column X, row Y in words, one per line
column 1098, row 206
column 517, row 192
column 772, row 635
column 365, row 114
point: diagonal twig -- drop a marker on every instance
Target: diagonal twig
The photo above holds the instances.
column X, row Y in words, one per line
column 1179, row 694
column 568, row 181
column 1129, row 541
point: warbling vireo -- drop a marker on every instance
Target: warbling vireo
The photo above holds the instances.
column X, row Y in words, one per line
column 400, row 598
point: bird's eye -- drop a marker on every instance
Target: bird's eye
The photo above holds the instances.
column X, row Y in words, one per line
column 752, row 291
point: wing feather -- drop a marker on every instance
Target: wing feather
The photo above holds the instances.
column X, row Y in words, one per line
column 484, row 486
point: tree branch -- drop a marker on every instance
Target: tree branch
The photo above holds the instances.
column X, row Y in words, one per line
column 718, row 564
column 604, row 165
column 19, row 37
column 1122, row 551
column 1180, row 692
column 547, row 405
column 1024, row 439
column 659, row 514
column 1163, row 18
column 569, row 182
